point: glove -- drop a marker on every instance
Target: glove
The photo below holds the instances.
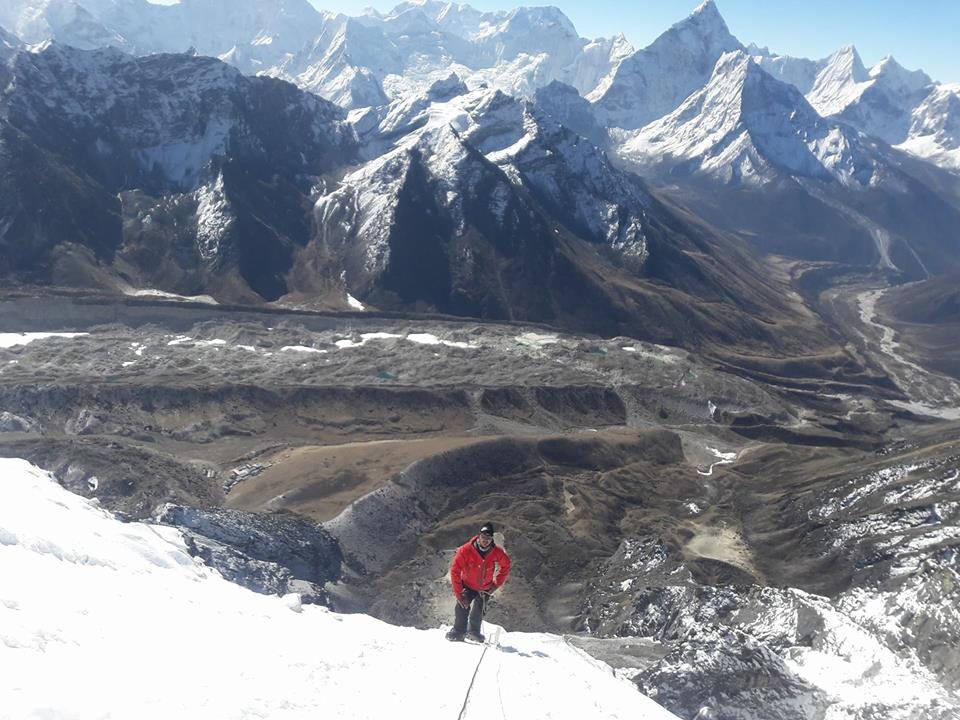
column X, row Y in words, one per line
column 463, row 602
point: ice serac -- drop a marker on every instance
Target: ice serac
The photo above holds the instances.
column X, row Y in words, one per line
column 746, row 126
column 654, row 81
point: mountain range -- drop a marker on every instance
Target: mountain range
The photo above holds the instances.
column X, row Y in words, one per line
column 490, row 164
column 315, row 296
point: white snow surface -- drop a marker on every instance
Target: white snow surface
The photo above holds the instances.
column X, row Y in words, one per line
column 354, row 303
column 301, row 348
column 935, row 127
column 8, row 340
column 347, row 60
column 841, row 82
column 86, row 598
column 214, row 218
column 653, row 81
column 151, row 292
column 745, row 126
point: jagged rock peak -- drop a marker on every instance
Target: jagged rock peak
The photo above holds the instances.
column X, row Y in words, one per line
column 447, row 88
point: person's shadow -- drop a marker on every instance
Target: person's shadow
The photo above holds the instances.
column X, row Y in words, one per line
column 513, row 650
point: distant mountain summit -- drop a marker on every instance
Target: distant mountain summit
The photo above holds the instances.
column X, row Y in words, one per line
column 655, row 80
column 372, row 59
column 439, row 158
column 747, row 126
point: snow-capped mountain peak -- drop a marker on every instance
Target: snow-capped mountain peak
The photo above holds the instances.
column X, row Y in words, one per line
column 707, row 13
column 934, row 131
column 899, row 79
column 841, row 82
column 747, row 126
column 655, row 80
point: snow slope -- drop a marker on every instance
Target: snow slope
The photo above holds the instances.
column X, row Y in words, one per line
column 655, row 80
column 105, row 619
column 746, row 126
column 935, row 128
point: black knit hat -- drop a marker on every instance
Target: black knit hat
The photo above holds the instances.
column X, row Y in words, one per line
column 487, row 529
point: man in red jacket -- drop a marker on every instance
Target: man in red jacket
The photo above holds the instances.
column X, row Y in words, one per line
column 478, row 569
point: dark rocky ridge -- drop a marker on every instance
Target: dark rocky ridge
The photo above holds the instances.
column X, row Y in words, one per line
column 274, row 554
column 127, row 146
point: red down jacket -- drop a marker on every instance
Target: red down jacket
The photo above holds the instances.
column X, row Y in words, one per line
column 476, row 572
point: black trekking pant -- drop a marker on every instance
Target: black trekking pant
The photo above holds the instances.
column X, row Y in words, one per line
column 475, row 613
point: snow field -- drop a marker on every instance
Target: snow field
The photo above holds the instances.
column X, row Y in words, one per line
column 124, row 623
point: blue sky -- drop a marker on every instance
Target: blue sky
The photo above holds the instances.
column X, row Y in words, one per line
column 919, row 34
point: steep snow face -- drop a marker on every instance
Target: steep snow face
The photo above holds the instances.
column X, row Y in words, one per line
column 33, row 21
column 406, row 114
column 898, row 79
column 746, row 126
column 349, row 61
column 532, row 31
column 841, row 82
column 901, row 107
column 799, row 72
column 68, row 21
column 882, row 106
column 564, row 171
column 935, row 127
column 266, row 29
column 454, row 18
column 357, row 216
column 654, row 81
column 138, row 599
column 214, row 219
column 343, row 64
column 563, row 103
column 598, row 59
